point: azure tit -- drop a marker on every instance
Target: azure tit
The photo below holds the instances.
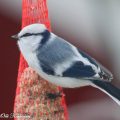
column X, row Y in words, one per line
column 61, row 63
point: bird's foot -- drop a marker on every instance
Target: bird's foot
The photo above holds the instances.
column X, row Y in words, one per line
column 53, row 96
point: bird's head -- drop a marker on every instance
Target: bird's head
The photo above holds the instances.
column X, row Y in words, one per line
column 32, row 35
column 30, row 30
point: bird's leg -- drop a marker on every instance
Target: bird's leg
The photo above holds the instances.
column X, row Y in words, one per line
column 54, row 96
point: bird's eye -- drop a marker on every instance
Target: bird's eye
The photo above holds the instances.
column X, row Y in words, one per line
column 26, row 34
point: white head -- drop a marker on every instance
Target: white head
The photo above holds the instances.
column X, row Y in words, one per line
column 32, row 29
column 31, row 36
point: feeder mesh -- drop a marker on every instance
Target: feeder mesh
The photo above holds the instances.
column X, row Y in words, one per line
column 31, row 102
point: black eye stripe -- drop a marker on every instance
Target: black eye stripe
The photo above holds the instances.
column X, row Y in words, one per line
column 30, row 34
column 26, row 34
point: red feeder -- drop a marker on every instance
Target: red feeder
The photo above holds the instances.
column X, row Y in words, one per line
column 30, row 100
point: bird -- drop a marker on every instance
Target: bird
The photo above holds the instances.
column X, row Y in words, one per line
column 61, row 63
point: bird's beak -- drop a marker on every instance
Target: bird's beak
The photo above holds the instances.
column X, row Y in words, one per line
column 15, row 37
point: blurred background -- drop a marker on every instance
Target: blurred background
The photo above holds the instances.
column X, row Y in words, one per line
column 92, row 26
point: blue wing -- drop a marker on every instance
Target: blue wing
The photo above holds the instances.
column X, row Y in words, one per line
column 78, row 69
column 58, row 51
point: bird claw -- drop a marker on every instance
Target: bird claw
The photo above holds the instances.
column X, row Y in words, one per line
column 53, row 96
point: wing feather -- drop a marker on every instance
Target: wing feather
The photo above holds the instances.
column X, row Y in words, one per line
column 59, row 50
column 79, row 70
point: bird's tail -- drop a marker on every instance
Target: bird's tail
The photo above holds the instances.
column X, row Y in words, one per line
column 109, row 89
